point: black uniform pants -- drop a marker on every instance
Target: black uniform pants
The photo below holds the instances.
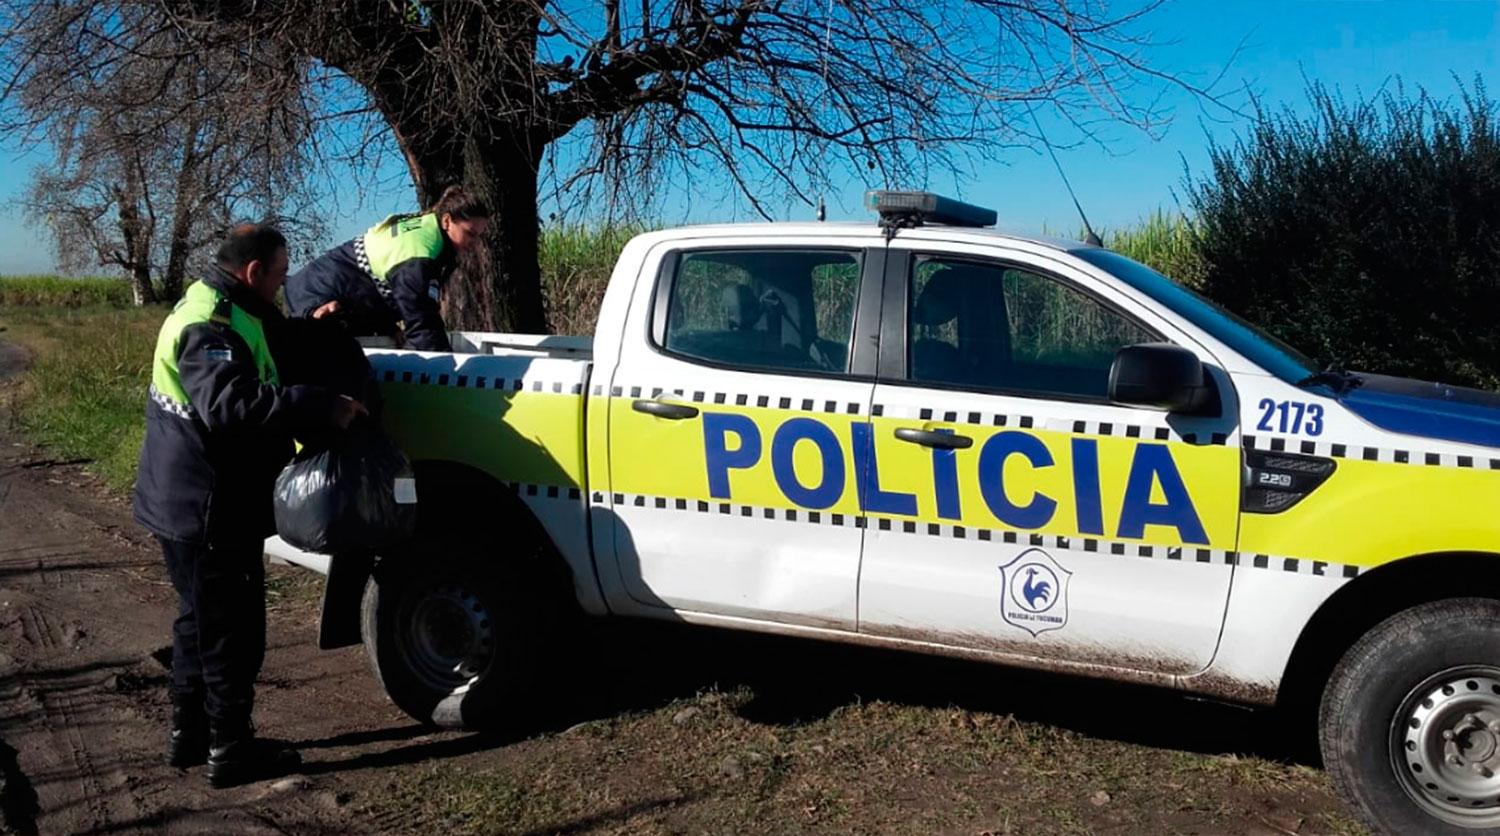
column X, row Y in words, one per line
column 219, row 637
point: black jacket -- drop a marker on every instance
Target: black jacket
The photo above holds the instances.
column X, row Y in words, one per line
column 337, row 275
column 207, row 476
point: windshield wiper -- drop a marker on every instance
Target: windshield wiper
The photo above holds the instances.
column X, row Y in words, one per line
column 1335, row 377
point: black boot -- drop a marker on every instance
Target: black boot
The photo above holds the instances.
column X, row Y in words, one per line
column 187, row 742
column 237, row 756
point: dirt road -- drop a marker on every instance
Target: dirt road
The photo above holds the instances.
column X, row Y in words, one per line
column 85, row 610
column 668, row 731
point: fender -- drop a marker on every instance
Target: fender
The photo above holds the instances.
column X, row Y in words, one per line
column 451, row 498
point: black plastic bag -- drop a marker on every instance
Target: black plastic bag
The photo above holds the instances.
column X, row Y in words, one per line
column 353, row 493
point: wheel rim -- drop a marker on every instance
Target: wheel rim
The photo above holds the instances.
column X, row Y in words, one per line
column 446, row 636
column 1445, row 745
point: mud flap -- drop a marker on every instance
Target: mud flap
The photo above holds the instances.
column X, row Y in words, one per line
column 343, row 589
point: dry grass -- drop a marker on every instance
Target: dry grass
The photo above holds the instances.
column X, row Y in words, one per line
column 777, row 736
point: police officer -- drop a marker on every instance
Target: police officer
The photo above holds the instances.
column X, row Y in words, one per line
column 394, row 273
column 219, row 427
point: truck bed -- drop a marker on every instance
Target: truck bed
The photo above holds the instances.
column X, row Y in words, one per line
column 533, row 345
column 509, row 405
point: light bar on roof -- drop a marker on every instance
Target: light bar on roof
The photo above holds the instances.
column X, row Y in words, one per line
column 906, row 209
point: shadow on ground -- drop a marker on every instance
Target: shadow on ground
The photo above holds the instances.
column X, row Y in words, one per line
column 631, row 666
column 642, row 665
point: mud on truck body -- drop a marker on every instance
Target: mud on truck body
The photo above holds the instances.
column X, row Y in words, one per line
column 937, row 437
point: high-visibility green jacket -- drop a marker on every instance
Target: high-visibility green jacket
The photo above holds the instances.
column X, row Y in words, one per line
column 219, row 422
column 394, row 273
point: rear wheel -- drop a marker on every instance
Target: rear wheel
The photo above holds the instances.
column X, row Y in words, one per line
column 454, row 642
column 1411, row 720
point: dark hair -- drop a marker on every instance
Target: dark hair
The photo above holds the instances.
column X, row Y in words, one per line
column 458, row 202
column 249, row 242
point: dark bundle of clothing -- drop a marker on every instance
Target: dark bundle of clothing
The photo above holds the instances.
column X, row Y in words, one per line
column 345, row 491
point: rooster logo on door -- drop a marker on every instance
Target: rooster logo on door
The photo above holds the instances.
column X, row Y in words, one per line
column 1034, row 592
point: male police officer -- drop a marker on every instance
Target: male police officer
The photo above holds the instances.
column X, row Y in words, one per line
column 219, row 427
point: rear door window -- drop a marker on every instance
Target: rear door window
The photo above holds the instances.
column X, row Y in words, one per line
column 777, row 310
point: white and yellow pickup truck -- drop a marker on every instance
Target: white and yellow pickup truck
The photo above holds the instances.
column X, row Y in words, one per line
column 924, row 434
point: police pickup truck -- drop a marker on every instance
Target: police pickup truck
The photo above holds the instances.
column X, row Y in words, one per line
column 925, row 434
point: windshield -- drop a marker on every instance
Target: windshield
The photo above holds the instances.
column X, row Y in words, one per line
column 1255, row 345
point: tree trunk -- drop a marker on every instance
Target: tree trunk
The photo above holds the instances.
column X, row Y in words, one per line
column 499, row 290
column 184, row 201
column 177, row 255
column 140, row 285
column 511, row 282
column 179, row 247
column 137, row 245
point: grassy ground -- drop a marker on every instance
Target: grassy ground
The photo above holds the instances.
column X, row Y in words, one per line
column 84, row 397
column 777, row 736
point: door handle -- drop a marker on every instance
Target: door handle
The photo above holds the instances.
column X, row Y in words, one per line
column 931, row 438
column 662, row 409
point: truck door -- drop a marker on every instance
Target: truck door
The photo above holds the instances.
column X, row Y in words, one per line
column 1012, row 507
column 733, row 414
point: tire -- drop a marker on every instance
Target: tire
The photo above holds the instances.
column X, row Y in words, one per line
column 456, row 643
column 1419, row 687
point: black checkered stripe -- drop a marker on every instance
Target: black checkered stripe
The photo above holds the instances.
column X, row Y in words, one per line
column 994, row 419
column 1369, row 454
column 733, row 509
column 533, row 491
column 1183, row 554
column 181, row 410
column 763, row 401
column 363, row 260
column 466, row 381
column 770, row 401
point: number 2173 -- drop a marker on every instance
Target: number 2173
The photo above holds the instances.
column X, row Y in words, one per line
column 1290, row 417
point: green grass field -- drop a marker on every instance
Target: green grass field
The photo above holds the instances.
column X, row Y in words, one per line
column 84, row 396
column 59, row 291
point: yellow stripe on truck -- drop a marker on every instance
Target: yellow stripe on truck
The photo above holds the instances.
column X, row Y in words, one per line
column 525, row 436
column 1024, row 479
column 1369, row 513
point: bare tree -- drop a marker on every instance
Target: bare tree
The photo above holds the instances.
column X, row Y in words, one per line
column 767, row 96
column 158, row 145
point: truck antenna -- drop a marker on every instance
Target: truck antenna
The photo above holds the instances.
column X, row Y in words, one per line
column 822, row 210
column 1089, row 237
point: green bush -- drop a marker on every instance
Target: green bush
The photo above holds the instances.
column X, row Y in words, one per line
column 18, row 291
column 1165, row 242
column 1365, row 233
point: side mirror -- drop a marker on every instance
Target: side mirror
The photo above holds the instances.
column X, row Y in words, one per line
column 1162, row 376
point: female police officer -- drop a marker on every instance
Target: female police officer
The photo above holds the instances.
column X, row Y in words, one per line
column 394, row 273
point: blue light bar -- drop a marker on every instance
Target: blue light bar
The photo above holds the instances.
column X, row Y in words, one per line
column 906, row 209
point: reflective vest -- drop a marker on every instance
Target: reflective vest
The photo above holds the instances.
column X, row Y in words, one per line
column 200, row 304
column 396, row 239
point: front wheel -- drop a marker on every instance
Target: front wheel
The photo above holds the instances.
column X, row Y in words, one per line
column 1410, row 720
column 454, row 642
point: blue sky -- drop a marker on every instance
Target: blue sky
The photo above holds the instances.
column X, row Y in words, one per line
column 1356, row 46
